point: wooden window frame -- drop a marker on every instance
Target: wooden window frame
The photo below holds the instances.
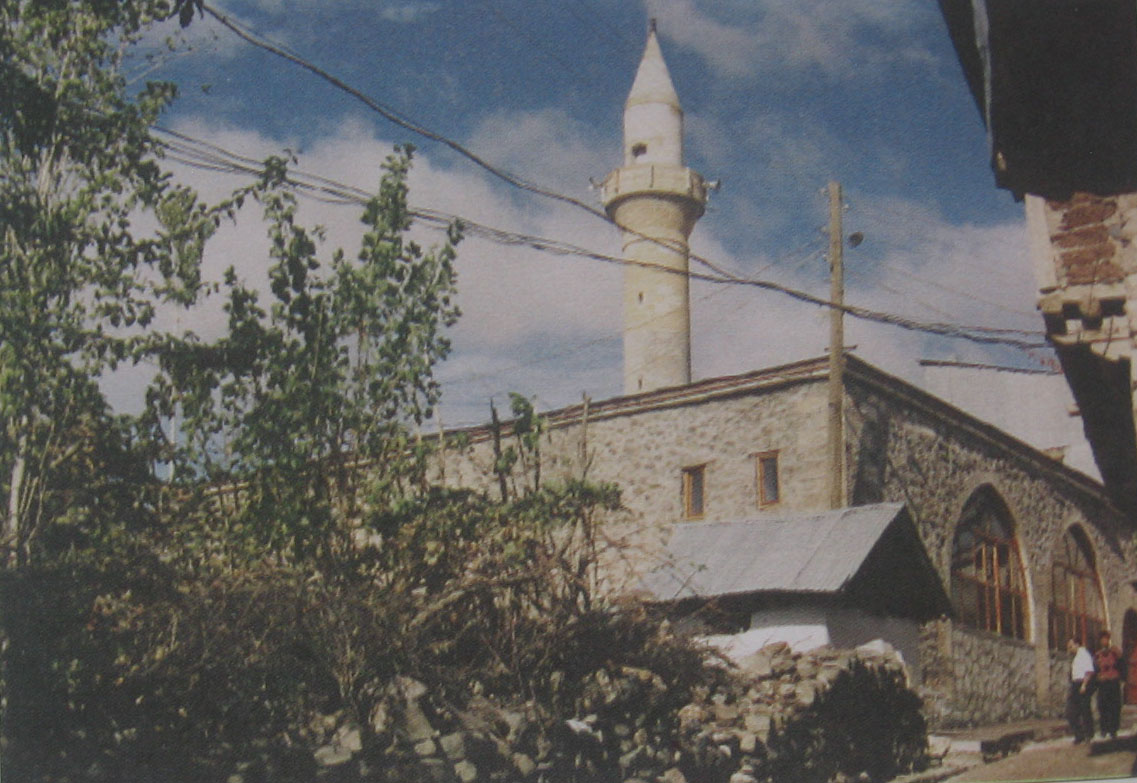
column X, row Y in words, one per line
column 988, row 581
column 1076, row 578
column 760, row 476
column 689, row 473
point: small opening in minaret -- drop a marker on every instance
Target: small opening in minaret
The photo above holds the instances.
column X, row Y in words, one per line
column 641, row 297
column 639, row 150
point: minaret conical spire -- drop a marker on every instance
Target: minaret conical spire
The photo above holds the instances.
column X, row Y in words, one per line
column 653, row 118
column 653, row 81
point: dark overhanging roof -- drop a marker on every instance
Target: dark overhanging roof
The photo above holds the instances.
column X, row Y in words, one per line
column 1056, row 84
column 870, row 556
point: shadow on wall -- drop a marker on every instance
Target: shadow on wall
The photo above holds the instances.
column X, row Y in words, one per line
column 871, row 456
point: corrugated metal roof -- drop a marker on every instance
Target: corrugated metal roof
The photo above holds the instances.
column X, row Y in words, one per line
column 800, row 553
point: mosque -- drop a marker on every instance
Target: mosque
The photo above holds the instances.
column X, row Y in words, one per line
column 970, row 551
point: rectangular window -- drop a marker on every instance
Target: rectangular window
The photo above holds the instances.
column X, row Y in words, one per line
column 693, row 491
column 768, row 490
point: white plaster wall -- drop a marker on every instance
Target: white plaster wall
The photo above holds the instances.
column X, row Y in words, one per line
column 806, row 628
column 803, row 628
column 849, row 628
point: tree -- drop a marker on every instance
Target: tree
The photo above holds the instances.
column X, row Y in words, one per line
column 79, row 281
column 302, row 402
column 307, row 400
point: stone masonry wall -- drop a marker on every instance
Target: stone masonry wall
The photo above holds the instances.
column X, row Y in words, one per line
column 934, row 465
column 646, row 453
column 993, row 680
column 1059, row 681
column 902, row 445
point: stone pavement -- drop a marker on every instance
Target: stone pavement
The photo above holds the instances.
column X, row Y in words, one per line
column 1036, row 750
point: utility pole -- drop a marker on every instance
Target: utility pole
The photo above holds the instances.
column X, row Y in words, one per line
column 836, row 352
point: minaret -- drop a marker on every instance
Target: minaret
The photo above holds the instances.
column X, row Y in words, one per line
column 655, row 200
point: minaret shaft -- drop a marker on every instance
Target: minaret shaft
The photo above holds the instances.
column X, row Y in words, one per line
column 656, row 201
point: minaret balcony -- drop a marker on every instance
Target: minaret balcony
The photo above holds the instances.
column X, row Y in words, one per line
column 653, row 179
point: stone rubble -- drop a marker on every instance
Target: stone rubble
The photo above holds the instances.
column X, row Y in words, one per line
column 825, row 715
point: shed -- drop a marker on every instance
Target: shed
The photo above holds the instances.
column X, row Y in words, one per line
column 838, row 577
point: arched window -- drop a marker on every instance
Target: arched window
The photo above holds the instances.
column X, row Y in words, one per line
column 1076, row 605
column 987, row 584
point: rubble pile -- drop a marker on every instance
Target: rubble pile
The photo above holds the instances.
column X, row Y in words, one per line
column 825, row 715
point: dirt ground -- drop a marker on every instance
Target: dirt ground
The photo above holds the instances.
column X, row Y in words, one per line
column 1062, row 760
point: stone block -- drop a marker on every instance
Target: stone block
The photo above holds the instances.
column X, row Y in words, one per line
column 805, row 693
column 691, row 715
column 437, row 771
column 726, row 713
column 757, row 665
column 454, row 745
column 412, row 689
column 524, row 765
column 516, row 721
column 331, row 756
column 349, row 737
column 466, row 772
column 415, row 722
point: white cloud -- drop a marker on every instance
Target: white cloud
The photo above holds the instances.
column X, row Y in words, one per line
column 550, row 325
column 912, row 263
column 408, row 13
column 765, row 36
column 527, row 315
column 399, row 12
column 164, row 42
column 547, row 147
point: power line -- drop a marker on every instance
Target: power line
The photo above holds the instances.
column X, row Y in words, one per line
column 516, row 181
column 214, row 158
column 396, row 117
column 954, row 364
column 977, row 334
column 405, row 122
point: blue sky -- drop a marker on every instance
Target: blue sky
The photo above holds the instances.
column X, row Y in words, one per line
column 780, row 97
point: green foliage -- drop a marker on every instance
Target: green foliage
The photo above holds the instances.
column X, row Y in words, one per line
column 868, row 723
column 297, row 563
column 180, row 668
column 524, row 452
column 312, row 390
column 79, row 283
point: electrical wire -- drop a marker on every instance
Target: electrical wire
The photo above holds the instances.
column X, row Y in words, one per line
column 974, row 333
column 215, row 158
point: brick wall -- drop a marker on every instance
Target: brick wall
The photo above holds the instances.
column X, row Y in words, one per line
column 1086, row 232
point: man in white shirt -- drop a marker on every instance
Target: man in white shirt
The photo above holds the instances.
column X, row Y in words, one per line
column 1078, row 710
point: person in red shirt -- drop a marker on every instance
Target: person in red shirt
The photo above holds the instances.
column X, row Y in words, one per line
column 1107, row 663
